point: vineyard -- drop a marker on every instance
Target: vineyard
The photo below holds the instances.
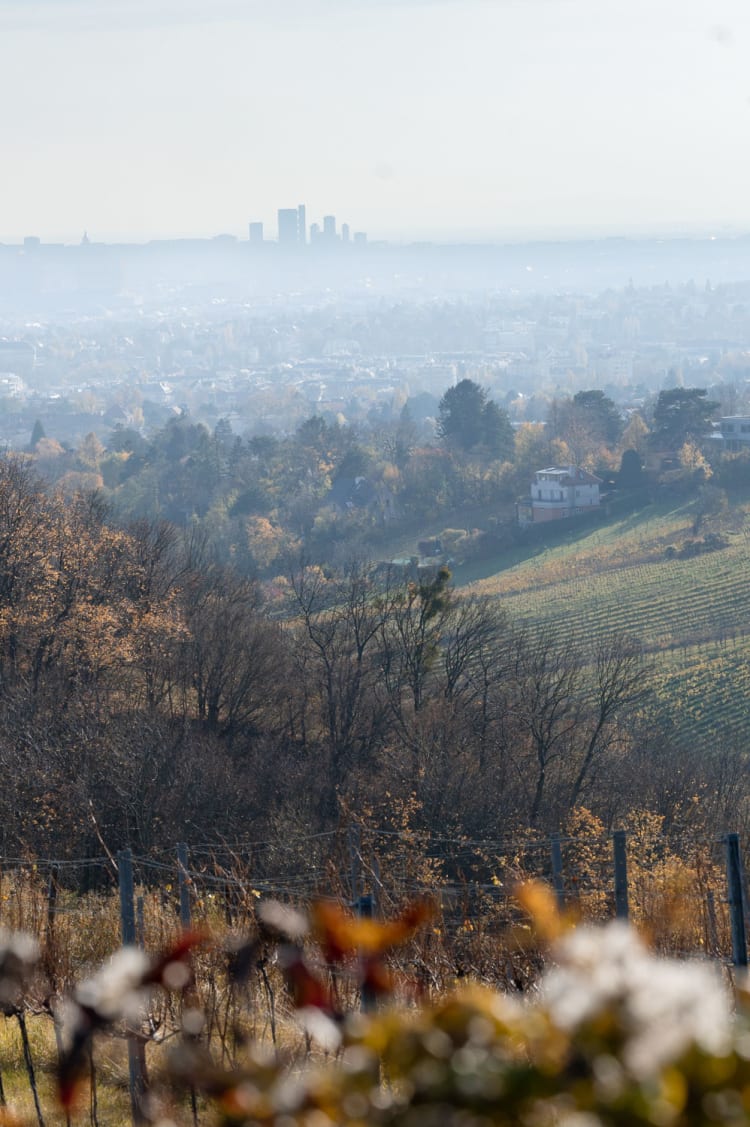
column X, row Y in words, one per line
column 691, row 612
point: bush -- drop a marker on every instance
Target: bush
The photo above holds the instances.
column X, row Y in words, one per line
column 612, row 1035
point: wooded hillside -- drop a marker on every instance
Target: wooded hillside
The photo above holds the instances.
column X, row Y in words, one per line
column 149, row 695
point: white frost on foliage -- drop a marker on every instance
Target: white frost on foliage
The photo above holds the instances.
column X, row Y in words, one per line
column 116, row 990
column 19, row 946
column 663, row 1006
column 19, row 953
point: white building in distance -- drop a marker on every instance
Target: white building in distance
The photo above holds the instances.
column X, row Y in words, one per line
column 559, row 492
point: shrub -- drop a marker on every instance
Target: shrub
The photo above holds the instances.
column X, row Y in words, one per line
column 612, row 1034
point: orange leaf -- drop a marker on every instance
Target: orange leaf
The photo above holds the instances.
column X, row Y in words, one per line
column 342, row 934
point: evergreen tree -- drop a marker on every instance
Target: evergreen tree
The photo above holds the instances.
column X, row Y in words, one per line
column 680, row 414
column 468, row 418
column 631, row 470
column 460, row 415
column 606, row 420
column 497, row 432
column 37, row 433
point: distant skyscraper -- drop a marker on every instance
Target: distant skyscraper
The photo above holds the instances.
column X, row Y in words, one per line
column 360, row 238
column 329, row 228
column 256, row 233
column 315, row 233
column 288, row 224
column 302, row 224
column 345, row 232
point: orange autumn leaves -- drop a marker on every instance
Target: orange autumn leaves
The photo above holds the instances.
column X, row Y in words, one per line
column 118, row 994
column 341, row 934
column 343, row 940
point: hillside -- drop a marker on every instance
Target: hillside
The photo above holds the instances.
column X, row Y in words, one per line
column 692, row 612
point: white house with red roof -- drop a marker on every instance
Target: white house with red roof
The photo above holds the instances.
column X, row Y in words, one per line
column 559, row 492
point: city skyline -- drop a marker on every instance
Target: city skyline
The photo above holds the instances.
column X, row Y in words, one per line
column 258, row 232
column 450, row 120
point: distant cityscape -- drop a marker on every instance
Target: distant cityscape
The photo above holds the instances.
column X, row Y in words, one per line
column 293, row 231
column 319, row 320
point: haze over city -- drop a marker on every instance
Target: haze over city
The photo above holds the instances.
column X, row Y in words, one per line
column 439, row 119
column 374, row 562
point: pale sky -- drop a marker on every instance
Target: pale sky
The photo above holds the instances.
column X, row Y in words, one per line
column 408, row 118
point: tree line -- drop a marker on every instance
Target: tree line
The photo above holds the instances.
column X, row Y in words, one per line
column 335, row 489
column 149, row 693
column 328, row 485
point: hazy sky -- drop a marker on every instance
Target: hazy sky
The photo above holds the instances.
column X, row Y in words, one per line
column 409, row 118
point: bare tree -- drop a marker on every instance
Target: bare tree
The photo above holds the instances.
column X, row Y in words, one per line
column 233, row 659
column 619, row 680
column 342, row 621
column 411, row 637
column 547, row 689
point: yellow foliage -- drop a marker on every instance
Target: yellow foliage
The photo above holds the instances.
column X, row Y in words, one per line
column 538, row 900
column 265, row 540
column 691, row 458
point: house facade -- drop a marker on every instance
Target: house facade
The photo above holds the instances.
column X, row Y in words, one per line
column 559, row 492
column 734, row 433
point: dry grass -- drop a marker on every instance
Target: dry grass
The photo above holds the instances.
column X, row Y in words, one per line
column 113, row 1103
column 476, row 938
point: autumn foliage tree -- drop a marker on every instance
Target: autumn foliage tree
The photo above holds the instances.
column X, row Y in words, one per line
column 150, row 693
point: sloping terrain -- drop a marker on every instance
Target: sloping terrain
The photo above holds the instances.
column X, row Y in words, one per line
column 637, row 575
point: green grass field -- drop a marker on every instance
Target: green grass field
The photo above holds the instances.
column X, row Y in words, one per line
column 692, row 615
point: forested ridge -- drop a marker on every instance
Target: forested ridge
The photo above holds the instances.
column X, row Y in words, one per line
column 337, row 489
column 150, row 695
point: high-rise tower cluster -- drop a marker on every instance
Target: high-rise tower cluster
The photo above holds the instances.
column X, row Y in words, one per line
column 293, row 231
